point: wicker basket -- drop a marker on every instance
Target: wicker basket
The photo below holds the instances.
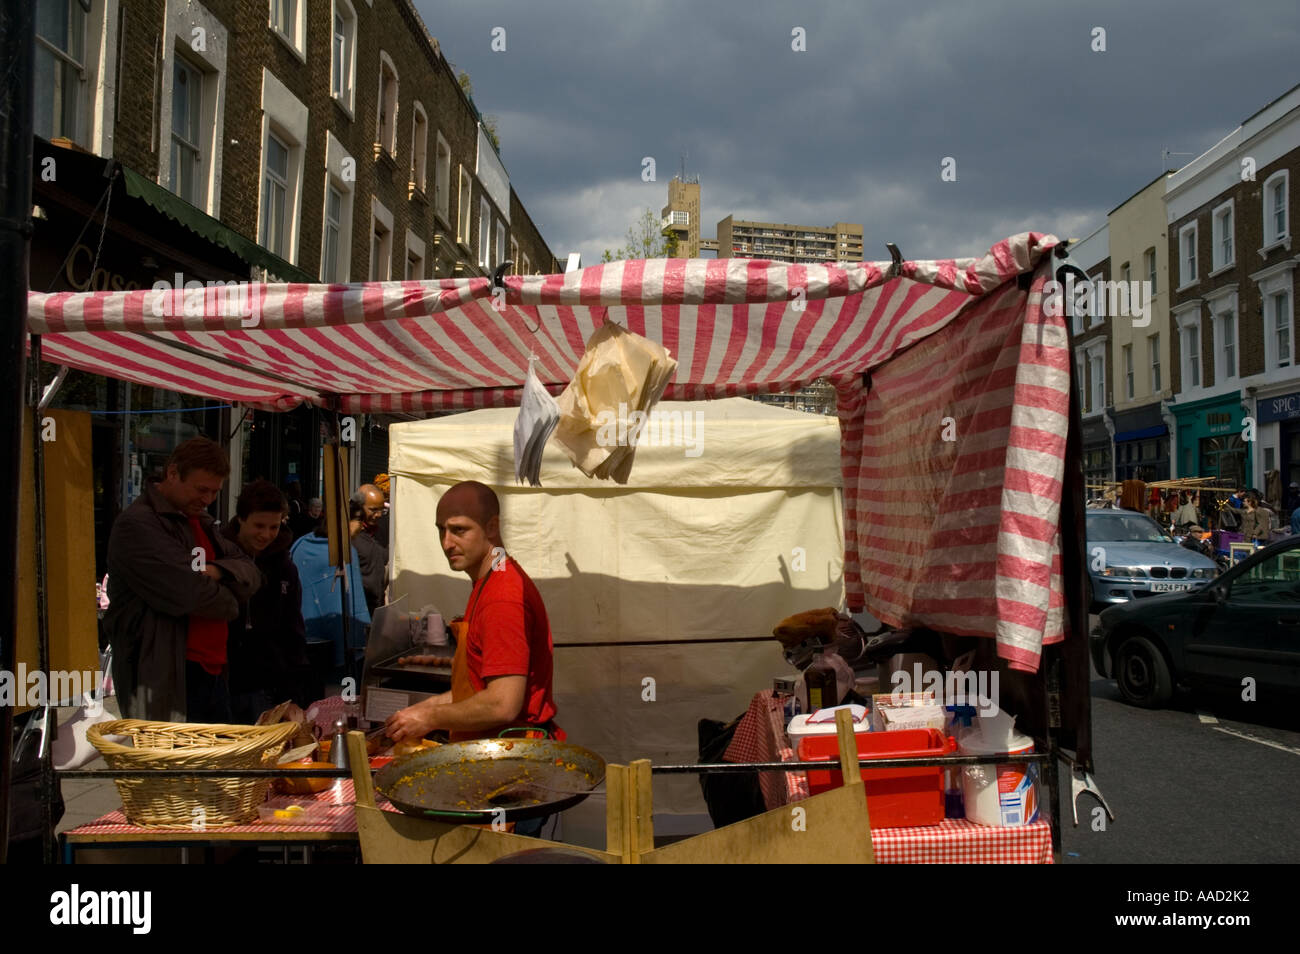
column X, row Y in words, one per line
column 170, row 803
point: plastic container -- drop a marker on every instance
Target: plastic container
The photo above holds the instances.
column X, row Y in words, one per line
column 999, row 795
column 800, row 728
column 898, row 797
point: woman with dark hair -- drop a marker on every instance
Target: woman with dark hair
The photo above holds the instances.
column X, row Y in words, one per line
column 268, row 641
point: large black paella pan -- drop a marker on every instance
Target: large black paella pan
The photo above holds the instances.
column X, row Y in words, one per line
column 489, row 780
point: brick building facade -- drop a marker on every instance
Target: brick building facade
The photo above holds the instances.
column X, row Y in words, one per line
column 1233, row 268
column 333, row 133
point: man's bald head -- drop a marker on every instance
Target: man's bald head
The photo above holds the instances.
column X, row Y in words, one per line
column 369, row 499
column 471, row 499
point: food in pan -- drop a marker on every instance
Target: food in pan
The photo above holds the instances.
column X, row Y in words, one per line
column 424, row 660
column 407, row 746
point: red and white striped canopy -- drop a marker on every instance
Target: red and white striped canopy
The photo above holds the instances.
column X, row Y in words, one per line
column 953, row 458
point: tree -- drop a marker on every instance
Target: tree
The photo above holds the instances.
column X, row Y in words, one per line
column 645, row 239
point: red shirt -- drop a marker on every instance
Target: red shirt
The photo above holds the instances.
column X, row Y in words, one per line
column 206, row 644
column 509, row 635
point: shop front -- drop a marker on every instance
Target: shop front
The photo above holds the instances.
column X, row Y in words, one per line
column 1141, row 444
column 1211, row 439
column 1278, row 419
column 1097, row 454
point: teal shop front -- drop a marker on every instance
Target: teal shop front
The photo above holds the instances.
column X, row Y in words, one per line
column 1210, row 440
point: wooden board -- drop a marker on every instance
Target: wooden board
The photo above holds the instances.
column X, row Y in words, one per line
column 69, row 550
column 832, row 829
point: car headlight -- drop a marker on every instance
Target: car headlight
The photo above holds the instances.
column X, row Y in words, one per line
column 1206, row 573
column 1123, row 571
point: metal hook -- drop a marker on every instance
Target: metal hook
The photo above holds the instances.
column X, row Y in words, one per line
column 499, row 274
column 896, row 268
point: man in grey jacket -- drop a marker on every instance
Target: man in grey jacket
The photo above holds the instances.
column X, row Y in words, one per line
column 173, row 583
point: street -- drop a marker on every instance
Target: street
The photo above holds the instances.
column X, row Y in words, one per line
column 1209, row 779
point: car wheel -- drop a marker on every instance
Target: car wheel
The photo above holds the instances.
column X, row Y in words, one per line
column 1142, row 673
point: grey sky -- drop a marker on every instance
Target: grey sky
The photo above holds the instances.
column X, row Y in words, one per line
column 1047, row 134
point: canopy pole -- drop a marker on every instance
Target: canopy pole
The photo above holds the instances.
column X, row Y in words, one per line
column 17, row 58
column 49, row 725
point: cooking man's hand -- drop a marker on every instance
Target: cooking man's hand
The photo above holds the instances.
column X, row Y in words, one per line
column 413, row 722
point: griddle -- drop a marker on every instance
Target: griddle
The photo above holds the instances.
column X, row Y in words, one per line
column 389, row 666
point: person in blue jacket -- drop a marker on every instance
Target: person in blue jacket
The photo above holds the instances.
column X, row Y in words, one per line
column 322, row 603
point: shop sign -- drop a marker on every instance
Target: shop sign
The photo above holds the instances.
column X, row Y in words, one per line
column 83, row 278
column 1282, row 408
column 1220, row 422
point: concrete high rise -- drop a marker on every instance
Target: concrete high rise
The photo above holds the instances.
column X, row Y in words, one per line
column 682, row 215
column 783, row 242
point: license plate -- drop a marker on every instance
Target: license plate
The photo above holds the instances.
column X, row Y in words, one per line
column 1170, row 587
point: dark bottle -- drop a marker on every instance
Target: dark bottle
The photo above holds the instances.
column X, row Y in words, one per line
column 821, row 686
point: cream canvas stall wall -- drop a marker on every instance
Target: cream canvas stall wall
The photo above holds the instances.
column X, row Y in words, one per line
column 716, row 536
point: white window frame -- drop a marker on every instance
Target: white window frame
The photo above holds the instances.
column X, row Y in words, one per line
column 419, row 147
column 180, row 142
column 1097, row 302
column 347, row 96
column 465, row 208
column 1184, row 280
column 336, row 158
column 1150, row 261
column 1155, row 379
column 1270, row 282
column 442, row 180
column 526, row 267
column 1129, row 375
column 1188, row 319
column 66, row 62
column 416, row 245
column 1222, row 304
column 514, row 255
column 1081, row 371
column 1097, row 368
column 1277, row 318
column 387, row 143
column 182, row 20
column 484, row 233
column 499, row 251
column 380, row 271
column 276, row 184
column 297, row 40
column 1273, row 238
column 286, row 115
column 1218, row 260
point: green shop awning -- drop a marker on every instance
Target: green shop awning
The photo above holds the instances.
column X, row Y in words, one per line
column 202, row 224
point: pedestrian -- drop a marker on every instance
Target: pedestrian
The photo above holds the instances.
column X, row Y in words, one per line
column 174, row 583
column 1186, row 515
column 322, row 603
column 268, row 640
column 380, row 530
column 365, row 508
column 1257, row 522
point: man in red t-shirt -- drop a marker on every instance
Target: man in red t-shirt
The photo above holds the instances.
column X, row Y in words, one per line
column 501, row 676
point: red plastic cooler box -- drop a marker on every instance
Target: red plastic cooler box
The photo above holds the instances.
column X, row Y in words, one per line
column 897, row 797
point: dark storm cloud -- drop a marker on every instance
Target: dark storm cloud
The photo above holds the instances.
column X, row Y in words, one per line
column 1046, row 133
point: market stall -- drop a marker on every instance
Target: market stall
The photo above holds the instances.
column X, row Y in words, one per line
column 953, row 383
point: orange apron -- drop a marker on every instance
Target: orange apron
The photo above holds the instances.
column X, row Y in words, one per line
column 462, row 687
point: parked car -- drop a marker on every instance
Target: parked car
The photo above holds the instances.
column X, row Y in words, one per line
column 1130, row 557
column 1243, row 625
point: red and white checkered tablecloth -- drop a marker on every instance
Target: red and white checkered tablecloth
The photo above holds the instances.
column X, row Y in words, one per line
column 760, row 737
column 956, row 841
column 339, row 817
